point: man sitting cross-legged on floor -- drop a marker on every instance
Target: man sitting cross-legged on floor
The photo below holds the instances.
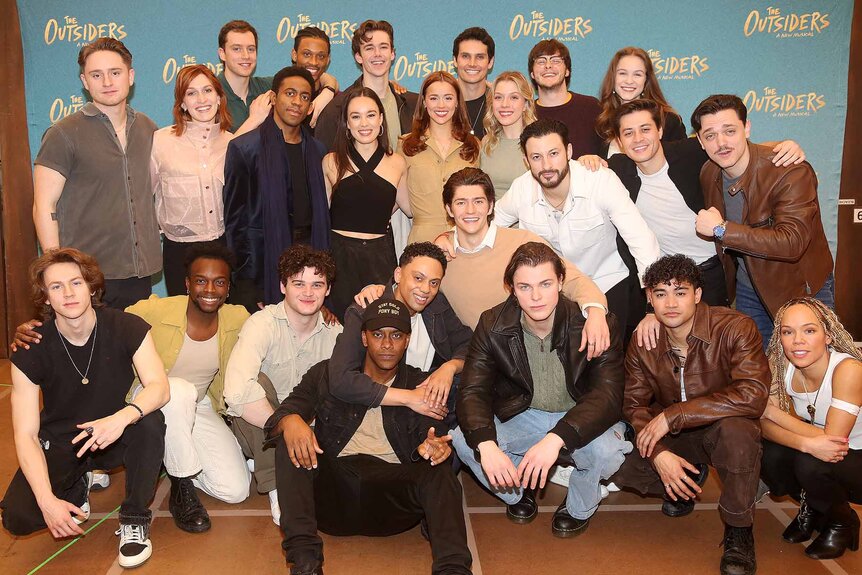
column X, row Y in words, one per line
column 529, row 395
column 696, row 398
column 365, row 471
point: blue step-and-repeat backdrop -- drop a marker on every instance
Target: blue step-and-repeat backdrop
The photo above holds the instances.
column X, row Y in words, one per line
column 787, row 59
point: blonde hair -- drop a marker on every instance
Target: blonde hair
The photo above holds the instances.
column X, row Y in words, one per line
column 493, row 129
column 842, row 342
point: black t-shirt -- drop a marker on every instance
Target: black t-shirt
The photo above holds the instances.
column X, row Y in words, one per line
column 476, row 115
column 68, row 402
column 301, row 201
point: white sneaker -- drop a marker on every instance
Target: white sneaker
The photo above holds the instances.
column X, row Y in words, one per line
column 250, row 464
column 605, row 491
column 274, row 508
column 135, row 546
column 561, row 475
column 85, row 507
column 612, row 487
column 99, row 481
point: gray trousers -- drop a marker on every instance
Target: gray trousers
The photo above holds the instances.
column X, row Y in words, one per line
column 251, row 438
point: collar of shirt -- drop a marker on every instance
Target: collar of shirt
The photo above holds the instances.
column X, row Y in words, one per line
column 202, row 131
column 487, row 241
column 280, row 313
column 91, row 109
column 539, row 196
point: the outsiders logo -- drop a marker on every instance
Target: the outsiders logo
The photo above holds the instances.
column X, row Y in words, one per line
column 791, row 25
column 60, row 108
column 771, row 101
column 67, row 29
column 678, row 67
column 420, row 67
column 339, row 31
column 172, row 66
column 536, row 25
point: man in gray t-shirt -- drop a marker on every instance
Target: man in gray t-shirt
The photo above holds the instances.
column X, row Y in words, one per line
column 91, row 181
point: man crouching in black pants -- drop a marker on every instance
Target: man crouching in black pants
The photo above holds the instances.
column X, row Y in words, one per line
column 362, row 471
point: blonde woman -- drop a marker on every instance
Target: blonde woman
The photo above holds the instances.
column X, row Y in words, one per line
column 812, row 448
column 512, row 108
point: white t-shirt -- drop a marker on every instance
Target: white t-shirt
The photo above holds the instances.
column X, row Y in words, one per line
column 197, row 363
column 671, row 220
column 420, row 352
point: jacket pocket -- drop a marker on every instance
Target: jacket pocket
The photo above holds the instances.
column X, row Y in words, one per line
column 181, row 200
column 586, row 232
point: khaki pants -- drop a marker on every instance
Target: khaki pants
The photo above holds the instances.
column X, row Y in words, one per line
column 251, row 438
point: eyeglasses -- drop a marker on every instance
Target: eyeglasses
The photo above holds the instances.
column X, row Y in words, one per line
column 554, row 61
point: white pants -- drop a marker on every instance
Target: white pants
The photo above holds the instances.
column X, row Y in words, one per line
column 198, row 442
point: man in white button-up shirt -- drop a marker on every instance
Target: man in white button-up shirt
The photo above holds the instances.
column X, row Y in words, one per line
column 275, row 348
column 579, row 213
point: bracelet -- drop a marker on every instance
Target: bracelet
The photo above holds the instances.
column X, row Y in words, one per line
column 330, row 88
column 140, row 411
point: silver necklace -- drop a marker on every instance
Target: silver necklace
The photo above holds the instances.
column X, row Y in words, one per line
column 84, row 379
column 478, row 117
column 811, row 409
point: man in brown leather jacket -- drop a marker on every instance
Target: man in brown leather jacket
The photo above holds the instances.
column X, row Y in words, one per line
column 528, row 395
column 765, row 217
column 694, row 399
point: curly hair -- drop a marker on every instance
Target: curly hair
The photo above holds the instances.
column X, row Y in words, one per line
column 209, row 251
column 300, row 256
column 611, row 101
column 422, row 249
column 493, row 128
column 842, row 342
column 415, row 141
column 90, row 272
column 669, row 268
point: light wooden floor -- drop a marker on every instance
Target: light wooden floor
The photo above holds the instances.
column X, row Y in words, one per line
column 628, row 535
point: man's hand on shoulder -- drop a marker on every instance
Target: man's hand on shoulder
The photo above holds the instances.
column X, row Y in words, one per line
column 596, row 335
column 26, row 334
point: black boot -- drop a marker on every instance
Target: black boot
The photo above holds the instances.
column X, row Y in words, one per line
column 806, row 523
column 838, row 534
column 188, row 511
column 682, row 507
column 564, row 525
column 524, row 510
column 738, row 557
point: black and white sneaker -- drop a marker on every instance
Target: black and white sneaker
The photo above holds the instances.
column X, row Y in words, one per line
column 135, row 546
column 87, row 479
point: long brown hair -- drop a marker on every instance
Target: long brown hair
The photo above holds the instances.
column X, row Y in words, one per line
column 493, row 129
column 414, row 142
column 609, row 99
column 90, row 272
column 842, row 342
column 184, row 78
column 341, row 149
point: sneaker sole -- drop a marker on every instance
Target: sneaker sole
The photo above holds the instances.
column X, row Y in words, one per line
column 132, row 562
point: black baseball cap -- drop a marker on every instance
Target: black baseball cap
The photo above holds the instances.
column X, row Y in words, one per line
column 386, row 313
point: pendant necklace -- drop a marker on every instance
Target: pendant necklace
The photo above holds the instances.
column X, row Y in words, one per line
column 84, row 379
column 811, row 409
column 478, row 117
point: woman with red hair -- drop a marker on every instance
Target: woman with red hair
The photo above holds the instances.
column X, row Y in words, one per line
column 187, row 170
column 439, row 145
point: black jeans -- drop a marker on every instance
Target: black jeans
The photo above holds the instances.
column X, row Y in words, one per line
column 828, row 486
column 627, row 302
column 120, row 294
column 363, row 495
column 140, row 449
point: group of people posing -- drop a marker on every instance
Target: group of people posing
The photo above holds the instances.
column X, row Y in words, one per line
column 363, row 281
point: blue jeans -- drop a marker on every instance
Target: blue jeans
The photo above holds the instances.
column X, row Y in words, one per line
column 748, row 303
column 597, row 460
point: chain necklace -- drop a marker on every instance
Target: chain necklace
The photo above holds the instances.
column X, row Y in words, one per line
column 84, row 379
column 478, row 117
column 810, row 409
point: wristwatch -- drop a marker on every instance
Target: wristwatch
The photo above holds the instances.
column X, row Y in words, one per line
column 718, row 231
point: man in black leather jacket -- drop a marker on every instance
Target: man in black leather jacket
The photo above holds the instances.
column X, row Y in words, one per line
column 529, row 396
column 365, row 471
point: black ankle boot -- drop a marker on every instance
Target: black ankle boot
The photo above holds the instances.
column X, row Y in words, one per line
column 524, row 510
column 836, row 536
column 738, row 557
column 564, row 525
column 188, row 511
column 806, row 523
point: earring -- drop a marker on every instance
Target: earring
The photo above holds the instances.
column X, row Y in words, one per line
column 183, row 108
column 381, row 130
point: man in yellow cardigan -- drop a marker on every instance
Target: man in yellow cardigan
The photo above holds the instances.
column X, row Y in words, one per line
column 194, row 335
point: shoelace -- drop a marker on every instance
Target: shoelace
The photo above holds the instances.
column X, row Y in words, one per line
column 132, row 533
column 188, row 497
column 736, row 539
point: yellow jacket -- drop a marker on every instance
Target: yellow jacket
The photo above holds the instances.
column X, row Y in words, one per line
column 167, row 317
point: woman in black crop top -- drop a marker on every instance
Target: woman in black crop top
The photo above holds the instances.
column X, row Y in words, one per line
column 366, row 182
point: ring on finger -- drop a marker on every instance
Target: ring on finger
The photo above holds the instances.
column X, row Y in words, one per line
column 89, row 431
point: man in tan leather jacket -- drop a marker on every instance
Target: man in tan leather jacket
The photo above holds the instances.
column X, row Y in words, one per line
column 695, row 399
column 765, row 217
